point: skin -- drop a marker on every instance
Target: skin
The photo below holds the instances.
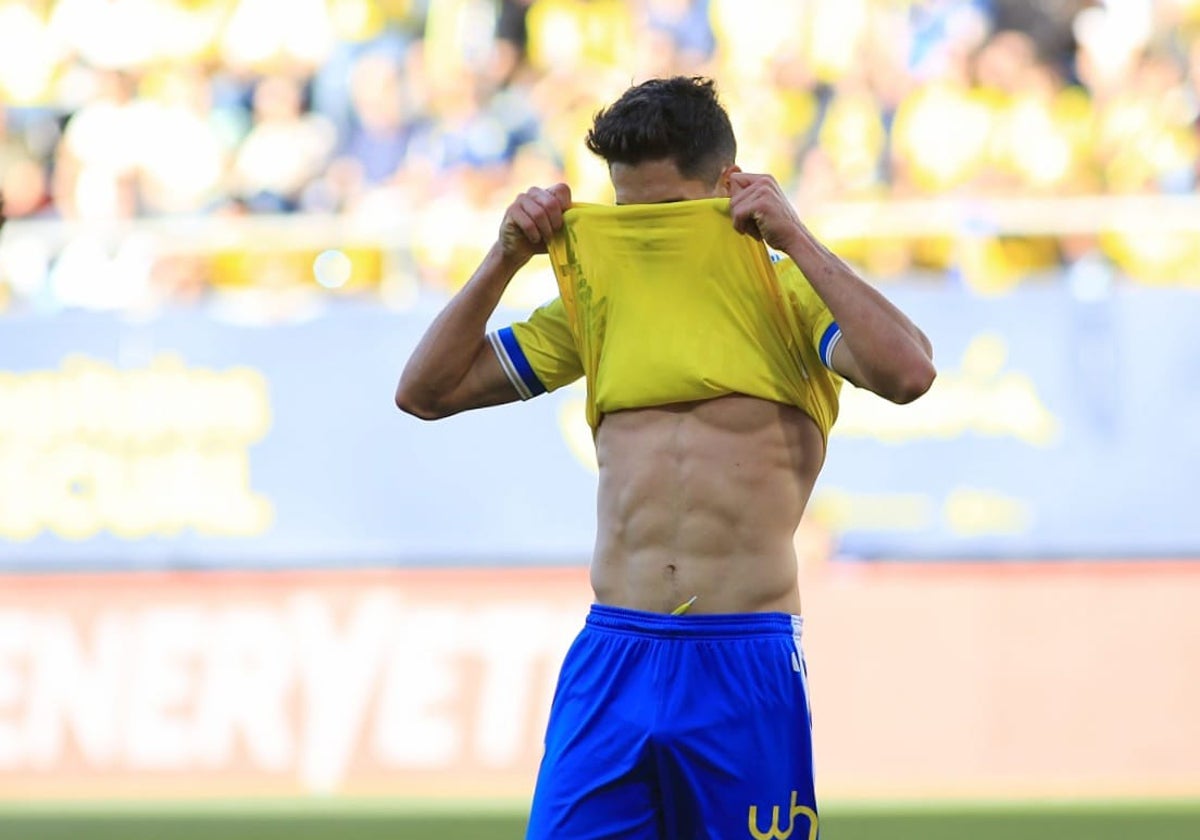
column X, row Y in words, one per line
column 696, row 500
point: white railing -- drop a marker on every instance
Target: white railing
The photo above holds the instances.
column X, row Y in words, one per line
column 922, row 217
column 110, row 265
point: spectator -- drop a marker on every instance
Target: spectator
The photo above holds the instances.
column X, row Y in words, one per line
column 183, row 155
column 286, row 150
column 206, row 109
column 95, row 171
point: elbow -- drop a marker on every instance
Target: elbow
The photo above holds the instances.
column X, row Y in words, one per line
column 421, row 408
column 913, row 384
column 926, row 345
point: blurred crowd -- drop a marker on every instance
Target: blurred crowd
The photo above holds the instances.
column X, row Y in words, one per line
column 434, row 113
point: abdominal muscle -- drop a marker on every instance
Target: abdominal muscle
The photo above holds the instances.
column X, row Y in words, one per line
column 702, row 500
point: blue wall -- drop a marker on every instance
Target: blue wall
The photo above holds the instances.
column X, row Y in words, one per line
column 1057, row 427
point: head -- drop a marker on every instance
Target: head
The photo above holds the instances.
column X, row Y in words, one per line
column 666, row 140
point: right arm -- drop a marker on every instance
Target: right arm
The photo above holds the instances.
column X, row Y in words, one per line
column 453, row 367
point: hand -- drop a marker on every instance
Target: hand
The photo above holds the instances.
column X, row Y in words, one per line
column 759, row 208
column 532, row 220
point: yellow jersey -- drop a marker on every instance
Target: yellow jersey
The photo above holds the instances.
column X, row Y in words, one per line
column 667, row 303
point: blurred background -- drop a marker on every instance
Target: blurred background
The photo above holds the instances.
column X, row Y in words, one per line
column 241, row 595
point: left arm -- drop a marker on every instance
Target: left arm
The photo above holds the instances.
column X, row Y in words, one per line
column 881, row 349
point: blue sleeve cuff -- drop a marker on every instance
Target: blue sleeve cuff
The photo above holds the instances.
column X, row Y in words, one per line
column 516, row 365
column 832, row 335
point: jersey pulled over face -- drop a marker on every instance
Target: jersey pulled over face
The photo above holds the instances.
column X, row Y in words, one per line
column 667, row 303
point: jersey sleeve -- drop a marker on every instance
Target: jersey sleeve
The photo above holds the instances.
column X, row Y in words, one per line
column 810, row 310
column 538, row 354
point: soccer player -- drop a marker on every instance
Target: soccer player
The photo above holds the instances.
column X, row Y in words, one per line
column 682, row 707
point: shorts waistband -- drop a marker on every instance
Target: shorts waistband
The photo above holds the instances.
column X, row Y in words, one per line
column 724, row 626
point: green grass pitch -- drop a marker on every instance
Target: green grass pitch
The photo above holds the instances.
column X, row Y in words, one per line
column 341, row 820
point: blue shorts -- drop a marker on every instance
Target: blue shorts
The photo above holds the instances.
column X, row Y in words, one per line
column 679, row 727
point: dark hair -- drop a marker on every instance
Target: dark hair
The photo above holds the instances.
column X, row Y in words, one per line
column 678, row 119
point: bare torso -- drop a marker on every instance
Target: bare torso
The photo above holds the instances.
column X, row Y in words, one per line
column 702, row 500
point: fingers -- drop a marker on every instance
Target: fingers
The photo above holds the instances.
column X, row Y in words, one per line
column 539, row 213
column 740, row 216
column 747, row 194
column 759, row 208
column 550, row 206
column 519, row 216
column 747, row 222
column 738, row 181
column 745, row 184
column 742, row 181
column 563, row 193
